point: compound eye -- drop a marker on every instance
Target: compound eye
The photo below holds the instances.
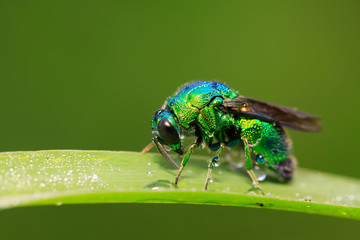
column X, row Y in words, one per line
column 168, row 132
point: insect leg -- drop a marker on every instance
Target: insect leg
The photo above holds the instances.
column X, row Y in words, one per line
column 185, row 160
column 164, row 153
column 255, row 182
column 148, row 148
column 213, row 163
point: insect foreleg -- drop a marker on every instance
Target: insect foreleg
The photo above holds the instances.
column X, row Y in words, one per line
column 148, row 148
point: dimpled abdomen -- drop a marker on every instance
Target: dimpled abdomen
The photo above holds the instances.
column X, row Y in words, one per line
column 274, row 144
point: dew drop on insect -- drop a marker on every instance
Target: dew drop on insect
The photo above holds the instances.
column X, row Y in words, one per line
column 261, row 177
column 215, row 162
column 260, row 174
column 167, row 148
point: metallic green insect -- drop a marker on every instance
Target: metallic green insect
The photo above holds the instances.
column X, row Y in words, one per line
column 219, row 117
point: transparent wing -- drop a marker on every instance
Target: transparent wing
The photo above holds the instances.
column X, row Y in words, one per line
column 256, row 109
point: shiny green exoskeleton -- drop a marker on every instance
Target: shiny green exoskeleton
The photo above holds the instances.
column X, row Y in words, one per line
column 219, row 117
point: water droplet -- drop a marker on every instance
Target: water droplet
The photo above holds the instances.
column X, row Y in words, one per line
column 259, row 173
column 239, row 165
column 161, row 184
column 260, row 159
column 307, row 198
column 167, row 148
column 261, row 177
column 149, row 173
column 94, row 178
column 351, row 197
column 148, row 164
column 58, row 203
column 227, row 189
column 252, row 193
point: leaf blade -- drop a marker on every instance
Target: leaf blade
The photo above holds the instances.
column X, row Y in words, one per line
column 74, row 177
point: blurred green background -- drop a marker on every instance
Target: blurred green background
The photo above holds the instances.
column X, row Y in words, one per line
column 90, row 74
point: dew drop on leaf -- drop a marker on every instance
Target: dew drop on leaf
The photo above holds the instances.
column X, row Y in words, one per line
column 161, row 184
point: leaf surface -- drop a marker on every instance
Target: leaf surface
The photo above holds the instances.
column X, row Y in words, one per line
column 84, row 177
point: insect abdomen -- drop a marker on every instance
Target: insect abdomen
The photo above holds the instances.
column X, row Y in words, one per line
column 266, row 141
column 274, row 144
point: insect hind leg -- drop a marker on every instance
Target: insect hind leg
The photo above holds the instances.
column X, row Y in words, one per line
column 285, row 169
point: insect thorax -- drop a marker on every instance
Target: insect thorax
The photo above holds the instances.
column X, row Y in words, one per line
column 194, row 101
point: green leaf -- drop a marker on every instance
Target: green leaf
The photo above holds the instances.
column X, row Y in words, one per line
column 74, row 177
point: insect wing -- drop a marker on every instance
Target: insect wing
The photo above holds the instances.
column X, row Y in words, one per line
column 268, row 112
